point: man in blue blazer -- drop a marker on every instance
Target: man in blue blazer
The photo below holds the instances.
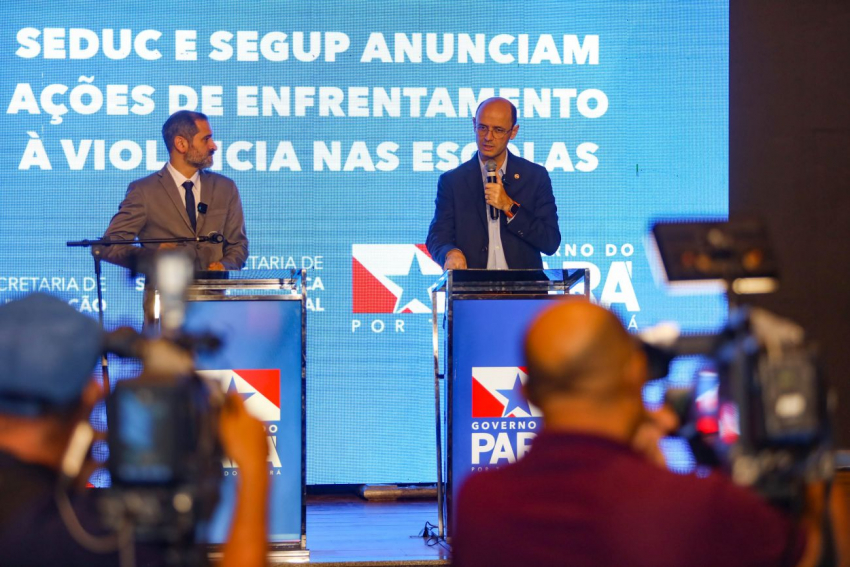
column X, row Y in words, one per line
column 498, row 225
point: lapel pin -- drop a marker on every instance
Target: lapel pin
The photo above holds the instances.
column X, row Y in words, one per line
column 516, row 175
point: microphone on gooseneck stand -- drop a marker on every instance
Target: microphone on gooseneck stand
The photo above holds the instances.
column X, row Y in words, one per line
column 491, row 167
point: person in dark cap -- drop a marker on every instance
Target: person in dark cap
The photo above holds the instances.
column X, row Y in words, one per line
column 47, row 354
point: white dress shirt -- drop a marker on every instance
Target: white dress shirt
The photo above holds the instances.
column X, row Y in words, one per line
column 180, row 179
column 495, row 252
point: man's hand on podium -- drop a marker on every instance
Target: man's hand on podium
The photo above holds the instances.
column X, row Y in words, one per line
column 216, row 267
column 455, row 260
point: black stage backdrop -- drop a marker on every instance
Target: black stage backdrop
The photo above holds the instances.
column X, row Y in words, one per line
column 789, row 161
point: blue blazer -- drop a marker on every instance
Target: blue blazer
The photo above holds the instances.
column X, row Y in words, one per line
column 460, row 215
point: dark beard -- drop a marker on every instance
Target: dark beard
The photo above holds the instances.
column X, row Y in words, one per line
column 194, row 159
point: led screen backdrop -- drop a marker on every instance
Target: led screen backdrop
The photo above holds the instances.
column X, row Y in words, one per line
column 335, row 119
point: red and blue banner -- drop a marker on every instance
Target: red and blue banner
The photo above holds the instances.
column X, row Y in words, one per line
column 261, row 362
column 492, row 422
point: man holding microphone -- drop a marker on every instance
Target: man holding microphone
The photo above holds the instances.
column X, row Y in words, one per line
column 496, row 211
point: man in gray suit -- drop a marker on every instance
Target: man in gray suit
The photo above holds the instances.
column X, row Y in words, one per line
column 181, row 200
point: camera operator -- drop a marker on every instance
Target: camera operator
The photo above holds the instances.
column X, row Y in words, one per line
column 47, row 352
column 591, row 490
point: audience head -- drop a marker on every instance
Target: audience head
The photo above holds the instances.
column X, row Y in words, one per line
column 47, row 353
column 581, row 357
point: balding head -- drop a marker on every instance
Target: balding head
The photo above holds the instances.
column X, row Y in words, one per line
column 578, row 349
column 500, row 105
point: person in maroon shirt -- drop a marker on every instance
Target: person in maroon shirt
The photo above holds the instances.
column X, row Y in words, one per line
column 592, row 490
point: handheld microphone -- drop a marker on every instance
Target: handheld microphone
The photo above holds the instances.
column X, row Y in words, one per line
column 202, row 208
column 491, row 167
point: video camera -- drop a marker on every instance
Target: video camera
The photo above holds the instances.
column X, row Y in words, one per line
column 760, row 408
column 164, row 452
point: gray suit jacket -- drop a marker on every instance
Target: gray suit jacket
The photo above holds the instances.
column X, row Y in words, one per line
column 153, row 208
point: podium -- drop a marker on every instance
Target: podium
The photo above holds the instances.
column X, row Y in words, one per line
column 260, row 316
column 488, row 421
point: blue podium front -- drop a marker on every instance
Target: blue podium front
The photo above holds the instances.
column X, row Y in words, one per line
column 489, row 423
column 260, row 318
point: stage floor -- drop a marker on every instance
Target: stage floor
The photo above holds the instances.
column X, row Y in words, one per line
column 349, row 531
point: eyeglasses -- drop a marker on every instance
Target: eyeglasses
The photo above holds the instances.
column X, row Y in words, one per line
column 497, row 131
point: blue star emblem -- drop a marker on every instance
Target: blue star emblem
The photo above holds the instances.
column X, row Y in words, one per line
column 414, row 285
column 232, row 388
column 515, row 398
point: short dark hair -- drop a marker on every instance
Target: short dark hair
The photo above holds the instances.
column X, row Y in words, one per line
column 181, row 123
column 513, row 109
